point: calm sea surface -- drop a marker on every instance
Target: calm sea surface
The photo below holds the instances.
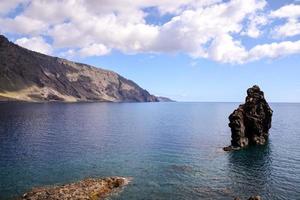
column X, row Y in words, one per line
column 172, row 150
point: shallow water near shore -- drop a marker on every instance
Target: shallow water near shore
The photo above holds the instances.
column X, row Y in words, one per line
column 171, row 150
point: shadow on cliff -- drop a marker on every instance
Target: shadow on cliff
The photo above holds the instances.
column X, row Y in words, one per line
column 44, row 78
column 251, row 167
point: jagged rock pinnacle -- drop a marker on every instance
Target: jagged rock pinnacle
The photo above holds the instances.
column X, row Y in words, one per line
column 250, row 122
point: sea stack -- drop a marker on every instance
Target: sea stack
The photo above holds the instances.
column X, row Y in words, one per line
column 251, row 121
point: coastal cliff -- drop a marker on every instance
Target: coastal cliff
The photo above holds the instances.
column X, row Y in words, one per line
column 30, row 76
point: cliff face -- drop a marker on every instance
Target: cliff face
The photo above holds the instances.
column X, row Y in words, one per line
column 30, row 76
column 165, row 99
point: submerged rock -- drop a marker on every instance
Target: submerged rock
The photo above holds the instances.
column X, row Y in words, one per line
column 250, row 198
column 250, row 122
column 91, row 188
column 255, row 198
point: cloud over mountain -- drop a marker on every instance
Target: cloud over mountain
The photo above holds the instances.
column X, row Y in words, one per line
column 210, row 29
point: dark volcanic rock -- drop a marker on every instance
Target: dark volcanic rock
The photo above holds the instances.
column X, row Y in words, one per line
column 250, row 122
column 250, row 198
column 255, row 198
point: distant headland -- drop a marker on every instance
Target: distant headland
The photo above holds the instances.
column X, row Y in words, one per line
column 30, row 76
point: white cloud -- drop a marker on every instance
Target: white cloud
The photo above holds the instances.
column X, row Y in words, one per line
column 274, row 50
column 292, row 25
column 225, row 49
column 131, row 7
column 192, row 30
column 37, row 44
column 22, row 25
column 94, row 50
column 289, row 29
column 288, row 11
column 7, row 6
column 210, row 29
column 255, row 23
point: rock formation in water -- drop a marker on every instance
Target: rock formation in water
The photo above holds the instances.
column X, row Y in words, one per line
column 86, row 189
column 250, row 122
column 30, row 76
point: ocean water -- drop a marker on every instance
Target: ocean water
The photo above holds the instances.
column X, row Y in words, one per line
column 171, row 150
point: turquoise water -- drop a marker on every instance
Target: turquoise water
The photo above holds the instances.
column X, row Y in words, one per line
column 172, row 150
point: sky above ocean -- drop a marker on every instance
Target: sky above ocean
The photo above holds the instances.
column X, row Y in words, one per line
column 188, row 50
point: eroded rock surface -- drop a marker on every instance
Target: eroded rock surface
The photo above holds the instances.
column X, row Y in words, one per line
column 250, row 198
column 91, row 188
column 250, row 122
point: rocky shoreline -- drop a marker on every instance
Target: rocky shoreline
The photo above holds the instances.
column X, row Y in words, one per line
column 88, row 189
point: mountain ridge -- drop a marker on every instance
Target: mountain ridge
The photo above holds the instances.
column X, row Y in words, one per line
column 26, row 75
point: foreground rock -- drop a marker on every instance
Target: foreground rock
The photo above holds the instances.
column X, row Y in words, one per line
column 250, row 122
column 86, row 189
column 250, row 198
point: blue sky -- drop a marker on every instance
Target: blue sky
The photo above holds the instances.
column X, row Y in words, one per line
column 185, row 79
column 176, row 49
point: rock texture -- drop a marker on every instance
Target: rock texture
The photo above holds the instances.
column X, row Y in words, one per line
column 250, row 198
column 30, row 76
column 86, row 189
column 250, row 122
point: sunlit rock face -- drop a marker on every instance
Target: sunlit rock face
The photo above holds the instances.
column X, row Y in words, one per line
column 250, row 122
column 91, row 188
column 30, row 76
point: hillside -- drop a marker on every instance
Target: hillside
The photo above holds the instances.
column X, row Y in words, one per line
column 30, row 76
